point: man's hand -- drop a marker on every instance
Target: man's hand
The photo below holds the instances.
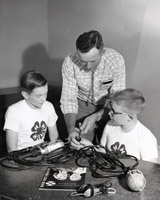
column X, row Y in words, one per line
column 72, row 139
column 89, row 123
column 78, row 144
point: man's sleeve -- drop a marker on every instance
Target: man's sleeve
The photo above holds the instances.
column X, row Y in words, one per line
column 69, row 102
column 119, row 74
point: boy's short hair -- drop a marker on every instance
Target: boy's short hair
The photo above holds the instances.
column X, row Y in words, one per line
column 131, row 100
column 31, row 80
column 88, row 40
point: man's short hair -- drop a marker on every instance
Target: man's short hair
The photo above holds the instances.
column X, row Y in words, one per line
column 31, row 80
column 131, row 100
column 88, row 40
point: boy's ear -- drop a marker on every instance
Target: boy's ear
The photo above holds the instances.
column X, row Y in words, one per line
column 24, row 94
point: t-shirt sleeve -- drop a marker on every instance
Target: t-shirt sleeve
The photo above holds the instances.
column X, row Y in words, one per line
column 149, row 148
column 52, row 116
column 12, row 120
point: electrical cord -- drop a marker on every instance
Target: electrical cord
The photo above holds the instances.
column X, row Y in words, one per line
column 32, row 156
column 101, row 165
column 107, row 162
column 23, row 157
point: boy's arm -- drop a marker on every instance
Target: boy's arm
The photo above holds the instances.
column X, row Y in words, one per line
column 11, row 140
column 53, row 133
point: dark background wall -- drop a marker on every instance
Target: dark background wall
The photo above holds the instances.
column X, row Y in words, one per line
column 40, row 33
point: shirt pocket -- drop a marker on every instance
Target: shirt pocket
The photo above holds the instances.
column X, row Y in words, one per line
column 106, row 84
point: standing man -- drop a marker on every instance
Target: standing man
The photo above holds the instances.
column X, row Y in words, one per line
column 90, row 75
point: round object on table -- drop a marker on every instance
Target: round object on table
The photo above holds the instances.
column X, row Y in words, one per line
column 136, row 180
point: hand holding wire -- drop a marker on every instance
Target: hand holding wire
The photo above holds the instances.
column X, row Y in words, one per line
column 78, row 138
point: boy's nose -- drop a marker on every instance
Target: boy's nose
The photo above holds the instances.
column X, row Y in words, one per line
column 44, row 99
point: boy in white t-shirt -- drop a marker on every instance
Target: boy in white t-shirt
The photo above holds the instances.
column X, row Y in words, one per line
column 124, row 133
column 27, row 121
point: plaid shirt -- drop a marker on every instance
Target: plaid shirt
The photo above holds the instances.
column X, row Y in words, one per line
column 88, row 86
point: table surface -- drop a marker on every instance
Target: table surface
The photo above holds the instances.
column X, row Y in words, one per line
column 24, row 185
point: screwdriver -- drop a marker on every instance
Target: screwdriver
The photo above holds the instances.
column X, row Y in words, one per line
column 78, row 138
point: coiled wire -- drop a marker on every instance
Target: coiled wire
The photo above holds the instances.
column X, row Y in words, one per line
column 101, row 165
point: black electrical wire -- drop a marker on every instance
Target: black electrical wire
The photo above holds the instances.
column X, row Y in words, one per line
column 29, row 157
column 60, row 155
column 107, row 162
column 101, row 165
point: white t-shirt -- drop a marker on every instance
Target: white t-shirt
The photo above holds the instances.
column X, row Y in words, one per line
column 139, row 142
column 31, row 124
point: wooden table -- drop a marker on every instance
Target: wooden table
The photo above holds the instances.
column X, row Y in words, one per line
column 24, row 184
